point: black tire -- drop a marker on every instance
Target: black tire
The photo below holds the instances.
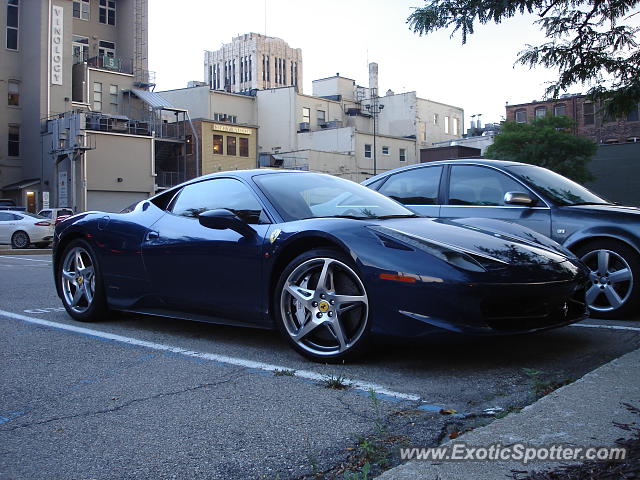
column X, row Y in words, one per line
column 619, row 281
column 86, row 309
column 332, row 316
column 20, row 239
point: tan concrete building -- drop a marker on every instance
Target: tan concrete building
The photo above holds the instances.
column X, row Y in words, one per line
column 253, row 61
column 225, row 147
column 73, row 125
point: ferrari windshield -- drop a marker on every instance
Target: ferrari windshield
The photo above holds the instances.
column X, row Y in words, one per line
column 558, row 188
column 310, row 195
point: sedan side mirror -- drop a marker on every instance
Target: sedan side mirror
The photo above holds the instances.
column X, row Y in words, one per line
column 518, row 198
column 222, row 219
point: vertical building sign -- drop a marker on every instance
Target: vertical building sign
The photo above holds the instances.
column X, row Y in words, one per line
column 63, row 191
column 57, row 47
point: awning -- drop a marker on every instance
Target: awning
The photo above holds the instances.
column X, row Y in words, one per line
column 21, row 184
column 155, row 100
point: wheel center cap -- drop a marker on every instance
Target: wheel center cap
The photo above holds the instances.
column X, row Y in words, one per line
column 323, row 306
column 80, row 279
column 603, row 280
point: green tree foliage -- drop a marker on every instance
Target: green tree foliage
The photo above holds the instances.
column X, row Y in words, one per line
column 589, row 41
column 547, row 142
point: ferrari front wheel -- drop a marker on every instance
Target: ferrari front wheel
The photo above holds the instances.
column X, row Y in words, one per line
column 78, row 274
column 321, row 306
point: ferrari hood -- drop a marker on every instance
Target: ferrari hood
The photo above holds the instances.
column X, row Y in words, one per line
column 492, row 244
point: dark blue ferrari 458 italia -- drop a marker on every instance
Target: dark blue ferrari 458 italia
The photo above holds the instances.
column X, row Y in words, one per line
column 328, row 262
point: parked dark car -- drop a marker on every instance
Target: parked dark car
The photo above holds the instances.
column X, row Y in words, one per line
column 605, row 236
column 8, row 204
column 267, row 249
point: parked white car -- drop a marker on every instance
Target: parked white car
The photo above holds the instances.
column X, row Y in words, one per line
column 56, row 214
column 21, row 229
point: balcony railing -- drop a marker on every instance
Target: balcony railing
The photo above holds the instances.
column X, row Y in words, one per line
column 169, row 179
column 113, row 64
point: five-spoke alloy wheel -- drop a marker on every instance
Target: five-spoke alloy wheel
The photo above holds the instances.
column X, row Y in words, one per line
column 322, row 306
column 80, row 285
column 614, row 267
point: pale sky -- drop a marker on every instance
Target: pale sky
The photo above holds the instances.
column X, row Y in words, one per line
column 341, row 35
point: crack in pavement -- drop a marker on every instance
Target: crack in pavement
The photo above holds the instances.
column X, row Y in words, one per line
column 125, row 405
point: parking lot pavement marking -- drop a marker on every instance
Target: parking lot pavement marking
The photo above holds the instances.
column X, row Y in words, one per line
column 16, row 257
column 608, row 327
column 239, row 362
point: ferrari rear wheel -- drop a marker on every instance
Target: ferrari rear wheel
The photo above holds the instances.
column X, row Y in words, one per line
column 322, row 307
column 79, row 278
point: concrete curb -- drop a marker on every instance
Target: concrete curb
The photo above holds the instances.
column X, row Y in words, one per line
column 26, row 251
column 580, row 414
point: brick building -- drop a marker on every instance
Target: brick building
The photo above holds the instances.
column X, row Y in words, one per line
column 589, row 121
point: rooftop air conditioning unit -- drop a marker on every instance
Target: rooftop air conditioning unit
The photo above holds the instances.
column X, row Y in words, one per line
column 304, row 127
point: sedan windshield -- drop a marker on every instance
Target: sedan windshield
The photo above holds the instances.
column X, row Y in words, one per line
column 559, row 189
column 309, row 195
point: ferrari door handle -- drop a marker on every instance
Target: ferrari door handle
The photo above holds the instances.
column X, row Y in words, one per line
column 152, row 235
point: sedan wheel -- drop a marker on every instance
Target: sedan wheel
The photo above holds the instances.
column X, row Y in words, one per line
column 614, row 268
column 80, row 284
column 323, row 307
column 20, row 239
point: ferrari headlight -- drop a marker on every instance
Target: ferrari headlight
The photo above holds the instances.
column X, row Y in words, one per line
column 446, row 253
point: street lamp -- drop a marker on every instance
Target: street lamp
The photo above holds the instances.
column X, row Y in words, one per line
column 374, row 109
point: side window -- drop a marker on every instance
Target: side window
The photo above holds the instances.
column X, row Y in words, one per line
column 418, row 186
column 45, row 213
column 219, row 193
column 474, row 185
column 5, row 217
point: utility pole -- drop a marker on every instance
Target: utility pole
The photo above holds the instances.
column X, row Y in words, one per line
column 374, row 109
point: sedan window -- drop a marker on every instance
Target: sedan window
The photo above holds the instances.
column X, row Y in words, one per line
column 5, row 217
column 418, row 186
column 475, row 185
column 227, row 193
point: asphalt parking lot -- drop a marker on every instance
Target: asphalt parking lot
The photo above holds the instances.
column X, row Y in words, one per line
column 142, row 397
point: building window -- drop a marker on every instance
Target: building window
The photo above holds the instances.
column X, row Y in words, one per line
column 446, row 124
column 367, row 150
column 81, row 9
column 14, row 93
column 541, row 112
column 385, row 150
column 456, row 127
column 107, row 12
column 113, row 98
column 188, row 144
column 231, row 145
column 106, row 48
column 306, row 115
column 403, row 154
column 224, row 117
column 521, row 116
column 217, row 144
column 435, row 119
column 560, row 109
column 322, row 116
column 12, row 24
column 632, row 116
column 244, row 147
column 14, row 141
column 588, row 113
column 80, row 47
column 97, row 96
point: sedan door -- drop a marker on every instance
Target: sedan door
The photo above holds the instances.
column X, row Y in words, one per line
column 479, row 191
column 7, row 226
column 202, row 270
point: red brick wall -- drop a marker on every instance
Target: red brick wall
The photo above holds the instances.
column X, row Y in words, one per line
column 618, row 131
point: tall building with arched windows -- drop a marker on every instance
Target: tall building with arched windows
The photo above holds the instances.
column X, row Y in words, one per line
column 253, row 61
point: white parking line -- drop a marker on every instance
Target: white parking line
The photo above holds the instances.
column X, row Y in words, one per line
column 239, row 362
column 19, row 257
column 607, row 327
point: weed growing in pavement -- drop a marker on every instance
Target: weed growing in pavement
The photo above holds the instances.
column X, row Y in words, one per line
column 284, row 372
column 361, row 475
column 541, row 387
column 335, row 382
